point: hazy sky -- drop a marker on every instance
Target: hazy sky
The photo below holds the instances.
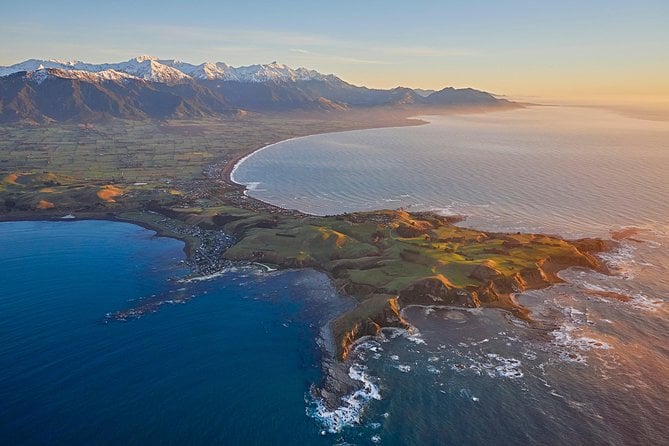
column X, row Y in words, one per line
column 516, row 47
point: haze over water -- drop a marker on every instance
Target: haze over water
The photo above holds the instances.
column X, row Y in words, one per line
column 594, row 367
column 567, row 170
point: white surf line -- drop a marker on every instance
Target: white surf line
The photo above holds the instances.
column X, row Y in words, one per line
column 238, row 163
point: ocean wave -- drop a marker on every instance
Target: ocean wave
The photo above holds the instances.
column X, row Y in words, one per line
column 253, row 186
column 365, row 345
column 415, row 337
column 506, row 367
column 570, row 344
column 637, row 300
column 212, row 276
column 369, row 344
column 466, row 393
column 642, row 302
column 447, row 211
column 250, row 270
column 350, row 412
column 245, row 158
column 620, row 260
column 492, row 364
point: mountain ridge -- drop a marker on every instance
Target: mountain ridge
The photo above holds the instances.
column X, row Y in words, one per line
column 147, row 87
column 171, row 70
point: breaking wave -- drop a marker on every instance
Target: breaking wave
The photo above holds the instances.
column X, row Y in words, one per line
column 351, row 409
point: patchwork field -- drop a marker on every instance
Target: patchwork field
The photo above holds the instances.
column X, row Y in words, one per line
column 149, row 160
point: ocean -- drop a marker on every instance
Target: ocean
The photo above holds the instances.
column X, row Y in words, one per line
column 594, row 367
column 234, row 365
column 231, row 366
column 559, row 169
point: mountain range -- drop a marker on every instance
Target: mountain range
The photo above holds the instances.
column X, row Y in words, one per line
column 147, row 87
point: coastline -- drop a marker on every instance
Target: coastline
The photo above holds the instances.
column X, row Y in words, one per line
column 161, row 231
column 398, row 119
column 412, row 119
column 337, row 379
column 191, row 244
column 336, row 376
column 235, row 163
column 568, row 320
column 237, row 193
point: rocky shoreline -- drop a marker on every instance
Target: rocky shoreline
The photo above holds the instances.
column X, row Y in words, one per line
column 497, row 292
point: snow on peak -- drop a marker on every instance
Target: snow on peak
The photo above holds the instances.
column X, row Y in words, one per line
column 148, row 68
column 272, row 72
column 40, row 75
column 144, row 58
column 173, row 71
column 29, row 65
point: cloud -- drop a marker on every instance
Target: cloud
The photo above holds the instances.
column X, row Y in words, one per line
column 313, row 45
column 425, row 51
column 239, row 36
column 311, row 55
column 195, row 44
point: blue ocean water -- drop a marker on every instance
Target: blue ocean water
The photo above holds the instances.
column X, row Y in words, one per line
column 234, row 365
column 229, row 367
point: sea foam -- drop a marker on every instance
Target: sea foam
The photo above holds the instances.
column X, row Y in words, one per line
column 350, row 412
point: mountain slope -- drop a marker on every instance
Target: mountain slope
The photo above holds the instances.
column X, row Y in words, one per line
column 462, row 96
column 50, row 96
column 146, row 87
column 173, row 71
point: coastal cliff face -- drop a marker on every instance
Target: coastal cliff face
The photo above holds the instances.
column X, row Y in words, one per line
column 373, row 314
column 437, row 290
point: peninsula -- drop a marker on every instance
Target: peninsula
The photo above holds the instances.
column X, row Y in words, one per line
column 386, row 259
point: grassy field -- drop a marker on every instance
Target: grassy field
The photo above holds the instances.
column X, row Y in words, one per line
column 378, row 250
column 391, row 259
column 138, row 151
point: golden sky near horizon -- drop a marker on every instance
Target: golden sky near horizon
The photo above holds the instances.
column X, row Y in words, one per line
column 606, row 50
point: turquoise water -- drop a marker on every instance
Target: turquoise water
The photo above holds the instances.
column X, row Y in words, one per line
column 230, row 367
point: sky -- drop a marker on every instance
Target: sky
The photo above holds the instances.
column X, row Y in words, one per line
column 519, row 48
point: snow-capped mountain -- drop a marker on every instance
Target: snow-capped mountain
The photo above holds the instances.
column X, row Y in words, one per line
column 41, row 75
column 144, row 67
column 207, row 70
column 30, row 65
column 174, row 72
column 150, row 88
